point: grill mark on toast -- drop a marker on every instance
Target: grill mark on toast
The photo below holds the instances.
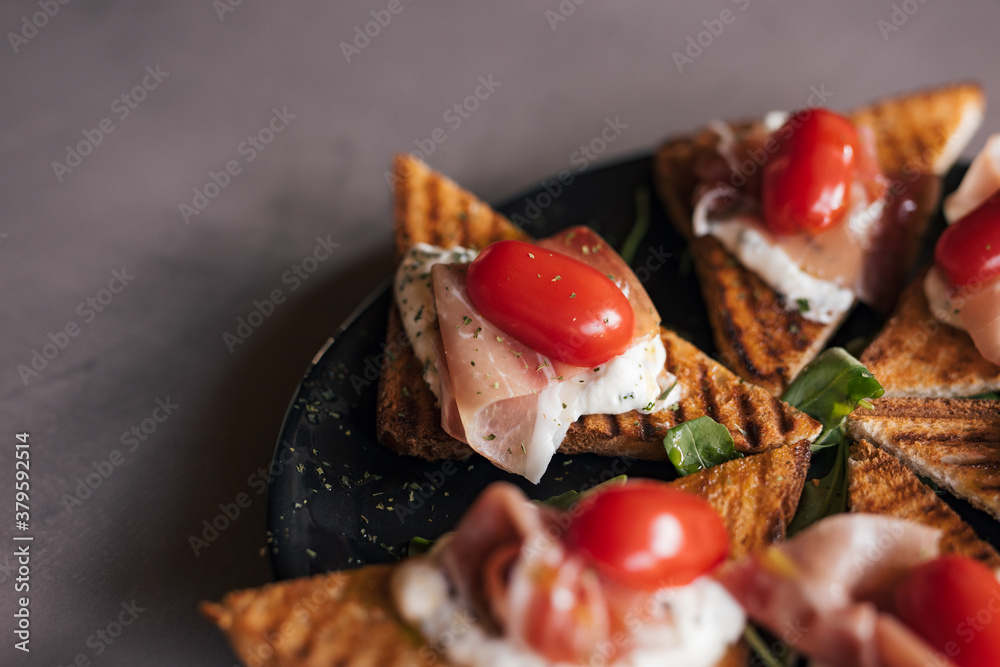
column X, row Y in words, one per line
column 785, row 421
column 643, row 426
column 734, row 334
column 681, row 415
column 750, row 427
column 402, row 204
column 612, row 427
column 989, row 486
column 671, row 365
column 433, row 189
column 707, row 395
column 985, row 439
column 760, row 302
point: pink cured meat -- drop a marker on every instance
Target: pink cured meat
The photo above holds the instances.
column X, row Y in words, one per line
column 488, row 539
column 825, row 592
column 491, row 381
column 979, row 311
column 507, row 561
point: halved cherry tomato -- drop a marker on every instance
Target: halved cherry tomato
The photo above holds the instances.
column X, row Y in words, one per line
column 806, row 183
column 551, row 302
column 969, row 250
column 648, row 535
column 953, row 602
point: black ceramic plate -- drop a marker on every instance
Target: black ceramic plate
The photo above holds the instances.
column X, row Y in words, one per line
column 338, row 499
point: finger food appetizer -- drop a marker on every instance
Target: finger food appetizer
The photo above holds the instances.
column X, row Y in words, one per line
column 794, row 217
column 942, row 340
column 515, row 350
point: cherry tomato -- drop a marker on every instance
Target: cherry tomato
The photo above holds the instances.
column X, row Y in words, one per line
column 806, row 183
column 953, row 602
column 969, row 250
column 551, row 302
column 648, row 535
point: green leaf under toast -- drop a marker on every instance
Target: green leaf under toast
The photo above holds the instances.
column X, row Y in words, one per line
column 987, row 395
column 563, row 501
column 419, row 545
column 566, row 500
column 825, row 496
column 698, row 444
column 829, row 389
column 639, row 228
column 763, row 652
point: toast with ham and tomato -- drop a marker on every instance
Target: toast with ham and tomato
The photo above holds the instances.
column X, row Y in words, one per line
column 732, row 172
column 944, row 338
column 349, row 618
column 916, row 355
column 880, row 484
column 430, row 208
column 953, row 441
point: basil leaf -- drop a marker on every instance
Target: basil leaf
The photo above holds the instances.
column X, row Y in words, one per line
column 566, row 500
column 760, row 648
column 419, row 545
column 829, row 389
column 698, row 444
column 826, row 496
column 639, row 228
column 988, row 395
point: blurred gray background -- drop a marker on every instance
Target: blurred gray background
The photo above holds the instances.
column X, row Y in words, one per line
column 199, row 80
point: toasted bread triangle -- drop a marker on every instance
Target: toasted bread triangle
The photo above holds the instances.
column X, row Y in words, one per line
column 338, row 618
column 348, row 618
column 756, row 496
column 409, row 422
column 757, row 336
column 955, row 442
column 881, row 484
column 915, row 355
column 429, row 207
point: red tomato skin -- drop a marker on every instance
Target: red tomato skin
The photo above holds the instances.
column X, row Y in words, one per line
column 807, row 182
column 553, row 303
column 615, row 530
column 953, row 602
column 969, row 250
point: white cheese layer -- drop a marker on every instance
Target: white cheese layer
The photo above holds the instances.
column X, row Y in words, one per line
column 744, row 237
column 415, row 297
column 939, row 302
column 634, row 380
column 705, row 620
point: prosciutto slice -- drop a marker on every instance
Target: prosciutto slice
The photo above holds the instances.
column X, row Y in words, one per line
column 501, row 537
column 979, row 312
column 979, row 183
column 826, row 592
column 493, row 390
